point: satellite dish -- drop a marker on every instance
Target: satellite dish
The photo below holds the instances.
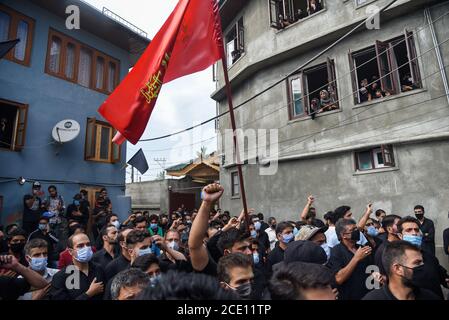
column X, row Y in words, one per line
column 65, row 131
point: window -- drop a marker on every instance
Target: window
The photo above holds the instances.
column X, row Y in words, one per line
column 313, row 91
column 14, row 25
column 99, row 146
column 235, row 45
column 376, row 158
column 385, row 69
column 235, row 184
column 73, row 61
column 13, row 118
column 285, row 12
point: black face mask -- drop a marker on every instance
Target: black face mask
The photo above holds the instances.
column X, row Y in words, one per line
column 419, row 216
column 17, row 247
column 355, row 235
column 273, row 226
column 418, row 278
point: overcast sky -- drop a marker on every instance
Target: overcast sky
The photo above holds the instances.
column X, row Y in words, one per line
column 181, row 103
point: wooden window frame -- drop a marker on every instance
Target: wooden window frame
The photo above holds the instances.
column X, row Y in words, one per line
column 239, row 40
column 20, row 125
column 329, row 66
column 15, row 18
column 387, row 157
column 96, row 142
column 65, row 40
column 235, row 175
column 386, row 47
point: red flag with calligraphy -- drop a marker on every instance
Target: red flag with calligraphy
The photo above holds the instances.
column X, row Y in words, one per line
column 189, row 41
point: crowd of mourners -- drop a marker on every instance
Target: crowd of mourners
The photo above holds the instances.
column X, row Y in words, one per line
column 81, row 252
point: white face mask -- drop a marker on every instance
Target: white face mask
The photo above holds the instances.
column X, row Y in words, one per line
column 173, row 245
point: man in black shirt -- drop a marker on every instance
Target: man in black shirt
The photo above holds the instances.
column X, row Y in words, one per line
column 349, row 261
column 11, row 288
column 109, row 236
column 284, row 234
column 84, row 279
column 402, row 261
column 390, row 225
column 428, row 229
column 123, row 261
column 16, row 243
column 43, row 232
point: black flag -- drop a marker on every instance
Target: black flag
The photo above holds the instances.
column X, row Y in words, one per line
column 139, row 162
column 6, row 46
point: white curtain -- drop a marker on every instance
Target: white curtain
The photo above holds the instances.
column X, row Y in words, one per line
column 99, row 73
column 4, row 26
column 70, row 61
column 111, row 80
column 55, row 55
column 22, row 34
column 84, row 70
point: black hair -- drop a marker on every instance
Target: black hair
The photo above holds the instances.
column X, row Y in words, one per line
column 340, row 211
column 418, row 207
column 128, row 278
column 136, row 236
column 290, row 279
column 104, row 230
column 394, row 253
column 9, row 227
column 229, row 261
column 77, row 196
column 17, row 232
column 407, row 219
column 187, row 286
column 271, row 219
column 341, row 225
column 153, row 216
column 379, row 212
column 109, row 216
column 52, row 187
column 230, row 237
column 139, row 220
column 388, row 221
column 103, row 189
column 281, row 226
column 260, row 215
column 145, row 261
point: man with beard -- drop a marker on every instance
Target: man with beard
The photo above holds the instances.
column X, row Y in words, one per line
column 110, row 249
column 401, row 260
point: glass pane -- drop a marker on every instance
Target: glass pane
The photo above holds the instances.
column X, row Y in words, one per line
column 55, row 55
column 22, row 34
column 111, row 75
column 5, row 20
column 99, row 75
column 105, row 143
column 84, row 69
column 230, row 47
column 378, row 159
column 298, row 108
column 91, row 140
column 70, row 61
column 364, row 159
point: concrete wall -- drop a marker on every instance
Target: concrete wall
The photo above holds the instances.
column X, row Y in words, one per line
column 324, row 147
column 50, row 100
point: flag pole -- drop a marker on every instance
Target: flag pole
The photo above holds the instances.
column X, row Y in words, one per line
column 231, row 114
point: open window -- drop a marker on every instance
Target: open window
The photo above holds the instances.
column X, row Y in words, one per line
column 313, row 91
column 235, row 184
column 13, row 120
column 387, row 68
column 235, row 42
column 287, row 12
column 375, row 158
column 99, row 146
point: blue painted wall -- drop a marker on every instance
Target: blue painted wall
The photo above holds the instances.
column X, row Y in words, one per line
column 50, row 100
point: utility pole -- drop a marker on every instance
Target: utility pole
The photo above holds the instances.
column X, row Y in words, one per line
column 161, row 162
column 132, row 174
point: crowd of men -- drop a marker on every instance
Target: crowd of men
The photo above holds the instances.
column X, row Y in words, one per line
column 84, row 253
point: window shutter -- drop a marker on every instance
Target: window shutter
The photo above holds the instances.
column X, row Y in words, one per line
column 91, row 134
column 115, row 150
column 413, row 62
column 240, row 36
column 383, row 63
column 332, row 80
column 19, row 141
column 274, row 13
column 355, row 87
column 387, row 155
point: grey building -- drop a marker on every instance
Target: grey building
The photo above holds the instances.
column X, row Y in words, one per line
column 386, row 143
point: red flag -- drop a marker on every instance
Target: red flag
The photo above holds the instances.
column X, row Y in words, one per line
column 189, row 41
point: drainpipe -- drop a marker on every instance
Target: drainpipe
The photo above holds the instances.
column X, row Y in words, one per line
column 437, row 52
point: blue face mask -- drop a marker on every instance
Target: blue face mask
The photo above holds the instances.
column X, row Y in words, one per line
column 415, row 240
column 153, row 225
column 76, row 202
column 84, row 254
column 154, row 280
column 42, row 226
column 295, row 231
column 286, row 238
column 144, row 251
column 256, row 258
column 253, row 234
column 38, row 264
column 257, row 225
column 372, row 231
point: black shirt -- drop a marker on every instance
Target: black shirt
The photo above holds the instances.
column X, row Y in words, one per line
column 275, row 256
column 446, row 240
column 102, row 258
column 383, row 236
column 13, row 288
column 115, row 266
column 60, row 291
column 428, row 240
column 378, row 257
column 384, row 293
column 80, row 219
column 433, row 275
column 354, row 288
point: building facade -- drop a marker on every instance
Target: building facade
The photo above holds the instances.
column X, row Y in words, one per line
column 53, row 74
column 354, row 143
